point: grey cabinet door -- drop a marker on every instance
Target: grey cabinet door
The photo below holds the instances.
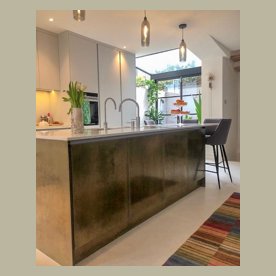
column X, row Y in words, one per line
column 109, row 80
column 146, row 174
column 100, row 194
column 83, row 62
column 48, row 61
column 176, row 163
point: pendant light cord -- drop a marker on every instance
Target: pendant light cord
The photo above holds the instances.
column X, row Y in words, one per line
column 145, row 13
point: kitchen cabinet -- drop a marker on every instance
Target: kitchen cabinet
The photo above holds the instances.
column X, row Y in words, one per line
column 146, row 176
column 78, row 61
column 37, row 71
column 117, row 75
column 47, row 61
column 103, row 181
column 95, row 189
column 128, row 82
column 109, row 81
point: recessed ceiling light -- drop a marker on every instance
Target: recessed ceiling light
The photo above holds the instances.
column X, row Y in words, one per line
column 51, row 19
column 124, row 47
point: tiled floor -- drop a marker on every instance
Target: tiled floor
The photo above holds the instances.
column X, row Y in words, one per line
column 152, row 242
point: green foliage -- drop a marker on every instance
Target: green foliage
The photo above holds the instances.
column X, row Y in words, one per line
column 187, row 117
column 75, row 95
column 153, row 89
column 175, row 67
column 155, row 115
column 198, row 108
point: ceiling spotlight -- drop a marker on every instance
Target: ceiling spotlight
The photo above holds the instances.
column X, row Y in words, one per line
column 79, row 15
column 124, row 47
column 51, row 19
column 145, row 32
column 182, row 46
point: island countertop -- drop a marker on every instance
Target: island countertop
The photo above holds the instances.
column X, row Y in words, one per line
column 100, row 133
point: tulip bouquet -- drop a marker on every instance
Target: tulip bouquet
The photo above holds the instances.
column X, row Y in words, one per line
column 75, row 95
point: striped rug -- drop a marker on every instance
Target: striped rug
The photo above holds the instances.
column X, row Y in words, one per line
column 216, row 242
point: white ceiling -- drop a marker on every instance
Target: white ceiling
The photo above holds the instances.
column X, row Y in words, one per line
column 122, row 28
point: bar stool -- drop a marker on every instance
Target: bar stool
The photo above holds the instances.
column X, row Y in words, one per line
column 209, row 130
column 218, row 139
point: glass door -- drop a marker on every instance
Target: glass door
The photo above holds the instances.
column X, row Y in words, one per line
column 167, row 97
column 184, row 88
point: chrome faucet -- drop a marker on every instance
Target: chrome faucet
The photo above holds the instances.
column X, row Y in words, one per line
column 105, row 122
column 138, row 110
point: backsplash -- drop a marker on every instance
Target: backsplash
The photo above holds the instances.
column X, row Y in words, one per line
column 52, row 102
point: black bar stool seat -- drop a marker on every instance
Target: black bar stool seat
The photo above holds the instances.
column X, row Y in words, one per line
column 217, row 138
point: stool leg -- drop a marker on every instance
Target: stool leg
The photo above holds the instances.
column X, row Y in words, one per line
column 226, row 160
column 216, row 161
column 222, row 157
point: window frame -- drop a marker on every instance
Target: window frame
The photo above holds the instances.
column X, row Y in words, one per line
column 179, row 74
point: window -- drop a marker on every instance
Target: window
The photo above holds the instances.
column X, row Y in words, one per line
column 179, row 81
column 186, row 88
column 167, row 61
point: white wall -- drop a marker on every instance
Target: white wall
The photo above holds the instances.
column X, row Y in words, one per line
column 222, row 101
column 42, row 104
column 52, row 102
column 211, row 98
column 231, row 108
column 141, row 97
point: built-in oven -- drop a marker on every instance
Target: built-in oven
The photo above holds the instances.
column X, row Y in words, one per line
column 92, row 109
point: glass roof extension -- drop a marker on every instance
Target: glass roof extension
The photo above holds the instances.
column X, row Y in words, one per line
column 166, row 62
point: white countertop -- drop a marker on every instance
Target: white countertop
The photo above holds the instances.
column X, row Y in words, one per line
column 94, row 133
column 65, row 126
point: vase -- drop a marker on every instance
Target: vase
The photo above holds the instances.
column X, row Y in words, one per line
column 77, row 121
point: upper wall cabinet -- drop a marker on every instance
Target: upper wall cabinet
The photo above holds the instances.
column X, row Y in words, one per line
column 78, row 61
column 47, row 61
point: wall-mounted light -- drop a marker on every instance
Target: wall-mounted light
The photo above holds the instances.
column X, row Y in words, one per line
column 182, row 46
column 145, row 32
column 79, row 15
column 211, row 77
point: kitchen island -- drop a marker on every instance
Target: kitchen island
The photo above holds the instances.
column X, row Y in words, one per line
column 93, row 187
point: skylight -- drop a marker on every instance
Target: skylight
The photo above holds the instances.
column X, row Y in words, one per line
column 166, row 62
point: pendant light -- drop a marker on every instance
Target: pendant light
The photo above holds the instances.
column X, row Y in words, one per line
column 145, row 32
column 182, row 46
column 79, row 15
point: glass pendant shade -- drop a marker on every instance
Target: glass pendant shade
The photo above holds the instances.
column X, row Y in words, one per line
column 182, row 46
column 79, row 15
column 145, row 32
column 182, row 51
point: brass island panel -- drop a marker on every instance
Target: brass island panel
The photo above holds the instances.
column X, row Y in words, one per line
column 53, row 210
column 91, row 191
